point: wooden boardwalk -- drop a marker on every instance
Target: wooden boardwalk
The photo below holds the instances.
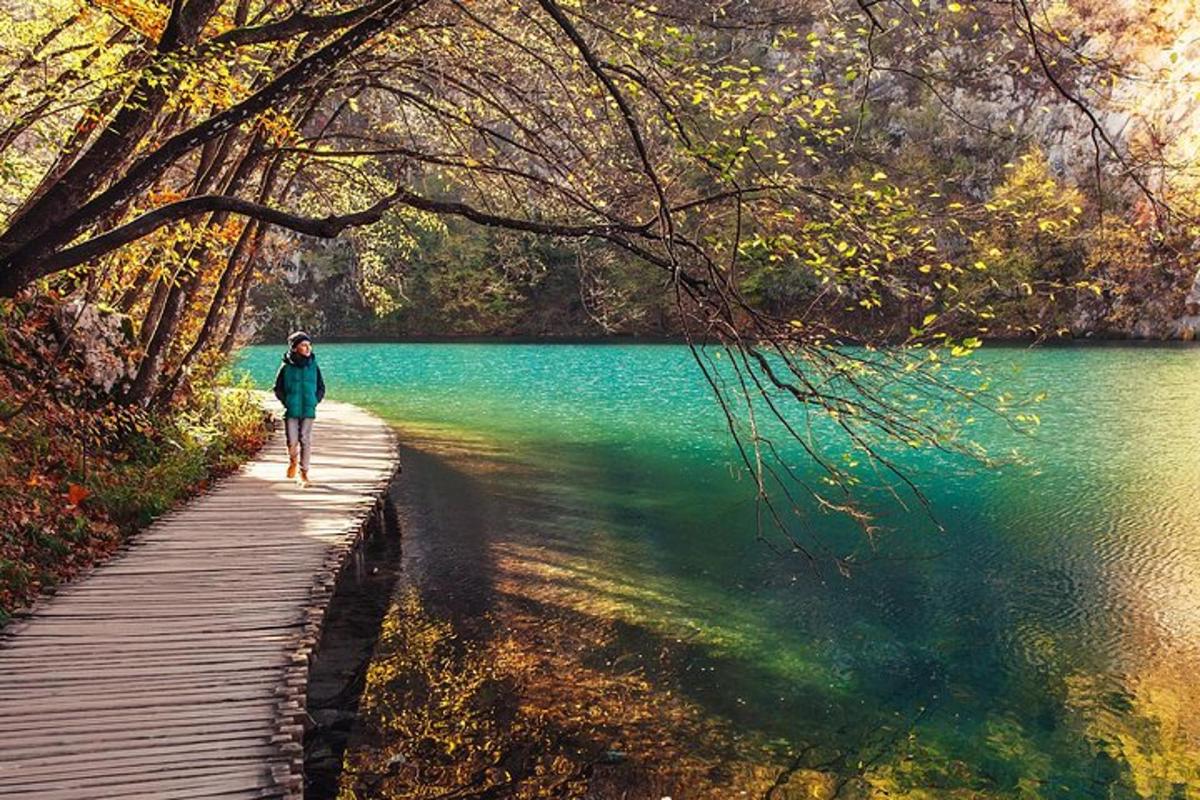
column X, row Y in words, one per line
column 179, row 668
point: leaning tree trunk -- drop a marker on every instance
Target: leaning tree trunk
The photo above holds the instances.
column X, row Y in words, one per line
column 134, row 291
column 154, row 311
column 82, row 135
column 31, row 58
column 253, row 229
column 151, row 364
column 145, row 383
column 246, row 281
column 208, row 327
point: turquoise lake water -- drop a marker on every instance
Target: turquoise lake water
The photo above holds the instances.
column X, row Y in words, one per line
column 1044, row 642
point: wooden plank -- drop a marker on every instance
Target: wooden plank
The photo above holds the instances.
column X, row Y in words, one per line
column 204, row 730
column 123, row 630
column 177, row 791
column 232, row 775
column 28, row 696
column 165, row 610
column 81, row 650
column 121, row 718
column 152, row 756
column 130, row 698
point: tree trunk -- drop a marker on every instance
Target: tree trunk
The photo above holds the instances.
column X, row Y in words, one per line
column 150, row 367
column 31, row 58
column 80, row 137
column 209, row 326
column 230, row 274
column 145, row 384
column 153, row 313
column 134, row 291
column 247, row 280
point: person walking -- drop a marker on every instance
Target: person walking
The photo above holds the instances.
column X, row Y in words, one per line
column 300, row 386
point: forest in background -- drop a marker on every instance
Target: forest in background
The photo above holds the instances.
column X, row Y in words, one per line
column 1077, row 281
column 772, row 178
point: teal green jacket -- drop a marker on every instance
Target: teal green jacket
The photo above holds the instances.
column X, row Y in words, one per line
column 299, row 385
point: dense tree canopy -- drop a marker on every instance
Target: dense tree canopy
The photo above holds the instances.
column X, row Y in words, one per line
column 799, row 175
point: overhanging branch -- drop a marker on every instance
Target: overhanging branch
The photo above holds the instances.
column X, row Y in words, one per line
column 300, row 22
column 324, row 227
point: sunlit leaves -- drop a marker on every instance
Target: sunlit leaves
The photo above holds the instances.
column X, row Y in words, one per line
column 145, row 16
column 382, row 251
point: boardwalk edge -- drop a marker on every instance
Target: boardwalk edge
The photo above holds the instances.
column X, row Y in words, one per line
column 291, row 716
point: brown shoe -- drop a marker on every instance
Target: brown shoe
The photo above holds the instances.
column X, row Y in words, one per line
column 304, row 484
column 291, row 469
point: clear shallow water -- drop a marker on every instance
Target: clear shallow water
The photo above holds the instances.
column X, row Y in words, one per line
column 1045, row 644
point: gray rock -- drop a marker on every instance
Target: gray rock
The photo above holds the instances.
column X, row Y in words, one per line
column 100, row 339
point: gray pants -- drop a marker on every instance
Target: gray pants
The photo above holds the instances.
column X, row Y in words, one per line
column 299, row 439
